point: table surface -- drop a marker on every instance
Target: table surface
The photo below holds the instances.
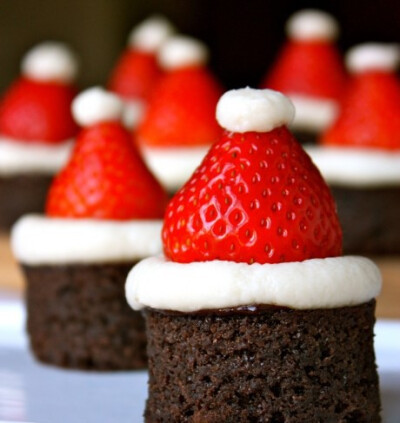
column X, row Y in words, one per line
column 388, row 304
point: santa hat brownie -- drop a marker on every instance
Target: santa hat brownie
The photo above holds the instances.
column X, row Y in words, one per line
column 182, row 110
column 106, row 177
column 137, row 71
column 104, row 213
column 257, row 196
column 309, row 70
column 370, row 111
column 36, row 129
column 37, row 106
column 253, row 293
column 180, row 123
column 359, row 154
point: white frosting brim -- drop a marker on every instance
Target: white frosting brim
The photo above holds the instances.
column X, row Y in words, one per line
column 18, row 157
column 312, row 113
column 357, row 166
column 173, row 166
column 38, row 240
column 318, row 283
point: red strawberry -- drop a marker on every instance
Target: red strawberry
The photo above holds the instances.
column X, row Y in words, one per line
column 312, row 68
column 370, row 113
column 256, row 197
column 38, row 111
column 135, row 74
column 182, row 112
column 106, row 179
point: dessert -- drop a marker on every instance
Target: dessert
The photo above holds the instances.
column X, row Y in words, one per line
column 179, row 125
column 252, row 314
column 137, row 70
column 36, row 129
column 359, row 154
column 310, row 72
column 103, row 214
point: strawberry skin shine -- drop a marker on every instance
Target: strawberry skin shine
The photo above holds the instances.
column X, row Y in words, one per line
column 106, row 179
column 256, row 197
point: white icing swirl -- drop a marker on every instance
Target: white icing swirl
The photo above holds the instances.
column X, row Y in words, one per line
column 312, row 24
column 150, row 34
column 18, row 157
column 181, row 51
column 38, row 240
column 312, row 113
column 373, row 56
column 249, row 109
column 318, row 283
column 173, row 166
column 358, row 167
column 50, row 61
column 96, row 105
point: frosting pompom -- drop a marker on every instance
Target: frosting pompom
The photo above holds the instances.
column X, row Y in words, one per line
column 96, row 105
column 50, row 61
column 181, row 51
column 150, row 34
column 312, row 24
column 249, row 109
column 373, row 56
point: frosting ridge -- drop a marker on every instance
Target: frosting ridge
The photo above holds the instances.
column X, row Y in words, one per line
column 316, row 283
column 38, row 240
column 313, row 113
column 37, row 157
column 356, row 166
column 173, row 166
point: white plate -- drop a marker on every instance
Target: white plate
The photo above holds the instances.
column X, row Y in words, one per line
column 35, row 393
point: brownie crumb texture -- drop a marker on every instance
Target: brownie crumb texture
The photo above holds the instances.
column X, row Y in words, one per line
column 78, row 317
column 369, row 219
column 278, row 366
column 306, row 137
column 21, row 195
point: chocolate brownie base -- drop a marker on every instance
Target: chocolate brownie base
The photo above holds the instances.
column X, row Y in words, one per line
column 20, row 195
column 274, row 365
column 305, row 137
column 369, row 219
column 78, row 317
